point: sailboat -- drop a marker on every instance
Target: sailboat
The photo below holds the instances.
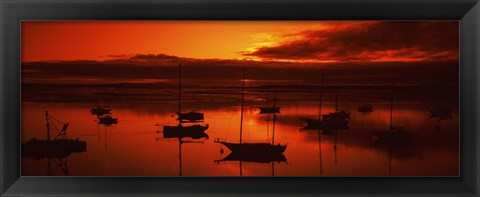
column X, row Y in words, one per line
column 326, row 123
column 338, row 114
column 59, row 147
column 440, row 114
column 192, row 116
column 365, row 108
column 271, row 110
column 257, row 158
column 248, row 149
column 394, row 135
column 99, row 111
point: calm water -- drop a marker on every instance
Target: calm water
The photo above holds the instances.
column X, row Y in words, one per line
column 136, row 147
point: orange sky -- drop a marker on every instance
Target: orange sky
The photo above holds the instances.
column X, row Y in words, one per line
column 316, row 41
column 97, row 40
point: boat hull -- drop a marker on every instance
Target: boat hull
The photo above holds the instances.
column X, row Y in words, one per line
column 190, row 117
column 100, row 111
column 269, row 110
column 255, row 149
column 234, row 156
column 339, row 115
column 52, row 149
column 194, row 131
column 365, row 109
column 338, row 124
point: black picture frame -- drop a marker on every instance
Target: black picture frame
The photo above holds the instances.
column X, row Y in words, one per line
column 14, row 11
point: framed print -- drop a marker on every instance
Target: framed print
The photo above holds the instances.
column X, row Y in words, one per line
column 240, row 98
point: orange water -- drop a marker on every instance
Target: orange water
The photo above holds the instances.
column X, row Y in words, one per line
column 134, row 148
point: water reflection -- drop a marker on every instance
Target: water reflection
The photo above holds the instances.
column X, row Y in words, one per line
column 195, row 137
column 339, row 150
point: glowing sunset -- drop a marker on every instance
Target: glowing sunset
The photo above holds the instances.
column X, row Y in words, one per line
column 240, row 98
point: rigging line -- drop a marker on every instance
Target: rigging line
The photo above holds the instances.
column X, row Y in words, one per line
column 52, row 117
column 54, row 126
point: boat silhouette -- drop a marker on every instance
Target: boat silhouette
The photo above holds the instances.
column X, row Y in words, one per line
column 365, row 108
column 256, row 158
column 440, row 114
column 191, row 116
column 325, row 124
column 99, row 111
column 339, row 114
column 330, row 121
column 59, row 147
column 192, row 129
column 393, row 135
column 271, row 110
column 254, row 149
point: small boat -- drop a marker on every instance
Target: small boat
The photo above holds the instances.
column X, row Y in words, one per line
column 330, row 121
column 99, row 111
column 332, row 124
column 59, row 147
column 190, row 116
column 257, row 149
column 338, row 114
column 52, row 148
column 365, row 108
column 394, row 135
column 193, row 130
column 256, row 158
column 441, row 114
column 108, row 120
column 269, row 110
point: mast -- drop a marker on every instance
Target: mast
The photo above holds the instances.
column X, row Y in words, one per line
column 273, row 129
column 390, row 160
column 180, row 156
column 179, row 88
column 240, row 163
column 275, row 100
column 321, row 98
column 241, row 109
column 320, row 150
column 47, row 125
column 391, row 110
column 335, row 147
column 336, row 101
column 273, row 168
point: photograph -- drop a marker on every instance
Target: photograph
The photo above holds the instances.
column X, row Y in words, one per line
column 207, row 98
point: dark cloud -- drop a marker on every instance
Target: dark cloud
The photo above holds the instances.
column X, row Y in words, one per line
column 155, row 57
column 371, row 41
